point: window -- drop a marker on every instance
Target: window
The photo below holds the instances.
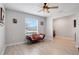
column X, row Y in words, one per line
column 31, row 26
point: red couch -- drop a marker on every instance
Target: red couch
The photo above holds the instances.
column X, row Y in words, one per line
column 35, row 37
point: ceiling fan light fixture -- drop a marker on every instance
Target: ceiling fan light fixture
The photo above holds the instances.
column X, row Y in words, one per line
column 46, row 7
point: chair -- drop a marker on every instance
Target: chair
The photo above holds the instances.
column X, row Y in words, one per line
column 35, row 37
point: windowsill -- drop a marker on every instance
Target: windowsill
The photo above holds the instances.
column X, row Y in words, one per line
column 31, row 34
column 28, row 34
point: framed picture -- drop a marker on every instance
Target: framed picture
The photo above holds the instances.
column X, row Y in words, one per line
column 42, row 23
column 1, row 15
column 14, row 20
column 74, row 23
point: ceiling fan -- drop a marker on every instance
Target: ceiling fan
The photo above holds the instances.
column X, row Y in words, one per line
column 46, row 8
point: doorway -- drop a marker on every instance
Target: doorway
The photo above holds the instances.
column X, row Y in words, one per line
column 64, row 27
column 64, row 33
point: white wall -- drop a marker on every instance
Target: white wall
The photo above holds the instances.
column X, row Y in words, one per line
column 15, row 32
column 77, row 29
column 2, row 36
column 2, row 39
column 49, row 28
column 64, row 26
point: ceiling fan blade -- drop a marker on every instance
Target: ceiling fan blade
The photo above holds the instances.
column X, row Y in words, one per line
column 52, row 7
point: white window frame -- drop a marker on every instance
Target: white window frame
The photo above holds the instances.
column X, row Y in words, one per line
column 32, row 31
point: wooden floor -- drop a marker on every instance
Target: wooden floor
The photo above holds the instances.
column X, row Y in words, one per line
column 58, row 46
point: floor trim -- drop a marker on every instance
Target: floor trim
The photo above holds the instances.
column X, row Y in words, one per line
column 15, row 43
column 69, row 38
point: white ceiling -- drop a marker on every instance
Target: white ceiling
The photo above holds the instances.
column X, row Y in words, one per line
column 34, row 8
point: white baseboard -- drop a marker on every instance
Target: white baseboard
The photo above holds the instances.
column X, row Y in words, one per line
column 69, row 38
column 48, row 38
column 15, row 43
